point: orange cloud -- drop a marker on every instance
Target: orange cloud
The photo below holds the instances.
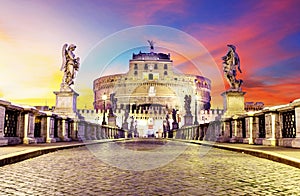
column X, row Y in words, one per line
column 257, row 36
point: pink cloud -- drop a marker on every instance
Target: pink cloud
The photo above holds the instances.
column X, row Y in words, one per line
column 144, row 12
column 257, row 36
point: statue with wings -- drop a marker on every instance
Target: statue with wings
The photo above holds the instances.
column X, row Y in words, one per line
column 70, row 64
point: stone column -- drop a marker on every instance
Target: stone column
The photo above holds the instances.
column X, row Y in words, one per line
column 98, row 132
column 64, row 131
column 94, row 132
column 28, row 129
column 296, row 142
column 81, row 130
column 249, row 130
column 74, row 130
column 271, row 122
column 49, row 134
column 234, row 138
column 3, row 140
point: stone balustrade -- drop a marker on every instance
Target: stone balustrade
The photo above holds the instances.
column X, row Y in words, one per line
column 27, row 124
column 271, row 126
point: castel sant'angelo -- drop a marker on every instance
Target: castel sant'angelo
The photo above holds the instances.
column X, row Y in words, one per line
column 152, row 87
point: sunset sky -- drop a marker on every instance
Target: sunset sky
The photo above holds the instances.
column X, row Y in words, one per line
column 265, row 32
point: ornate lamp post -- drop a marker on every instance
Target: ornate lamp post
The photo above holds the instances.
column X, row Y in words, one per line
column 164, row 129
column 104, row 97
column 196, row 117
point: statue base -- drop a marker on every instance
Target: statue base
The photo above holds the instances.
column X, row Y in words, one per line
column 112, row 120
column 125, row 126
column 233, row 102
column 174, row 125
column 66, row 102
column 188, row 120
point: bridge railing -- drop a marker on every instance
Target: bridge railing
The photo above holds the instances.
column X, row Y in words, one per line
column 272, row 126
column 26, row 124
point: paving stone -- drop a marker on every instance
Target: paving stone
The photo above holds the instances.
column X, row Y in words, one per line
column 78, row 172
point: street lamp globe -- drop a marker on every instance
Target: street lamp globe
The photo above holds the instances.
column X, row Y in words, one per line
column 104, row 97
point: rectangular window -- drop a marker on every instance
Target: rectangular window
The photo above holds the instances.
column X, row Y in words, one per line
column 261, row 126
column 10, row 123
column 150, row 76
column 155, row 66
column 289, row 125
column 37, row 126
column 146, row 66
column 135, row 66
column 165, row 66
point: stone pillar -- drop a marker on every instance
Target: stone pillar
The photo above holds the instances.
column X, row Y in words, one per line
column 3, row 140
column 249, row 130
column 297, row 117
column 28, row 129
column 87, row 131
column 188, row 120
column 112, row 120
column 296, row 141
column 81, row 130
column 63, row 129
column 98, row 132
column 234, row 137
column 64, row 135
column 74, row 135
column 49, row 134
column 94, row 132
column 271, row 122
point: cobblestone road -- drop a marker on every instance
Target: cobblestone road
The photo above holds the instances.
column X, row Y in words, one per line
column 78, row 172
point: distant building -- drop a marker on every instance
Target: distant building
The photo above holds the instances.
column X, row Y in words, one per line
column 151, row 84
column 251, row 106
column 151, row 89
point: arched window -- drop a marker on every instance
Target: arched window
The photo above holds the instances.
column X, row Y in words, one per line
column 135, row 73
column 135, row 66
column 150, row 76
column 165, row 73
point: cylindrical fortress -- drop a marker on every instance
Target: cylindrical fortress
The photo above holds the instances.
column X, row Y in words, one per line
column 151, row 85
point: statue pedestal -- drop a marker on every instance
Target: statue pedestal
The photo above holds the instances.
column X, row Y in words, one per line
column 112, row 120
column 174, row 125
column 66, row 102
column 125, row 126
column 188, row 120
column 233, row 102
column 66, row 105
